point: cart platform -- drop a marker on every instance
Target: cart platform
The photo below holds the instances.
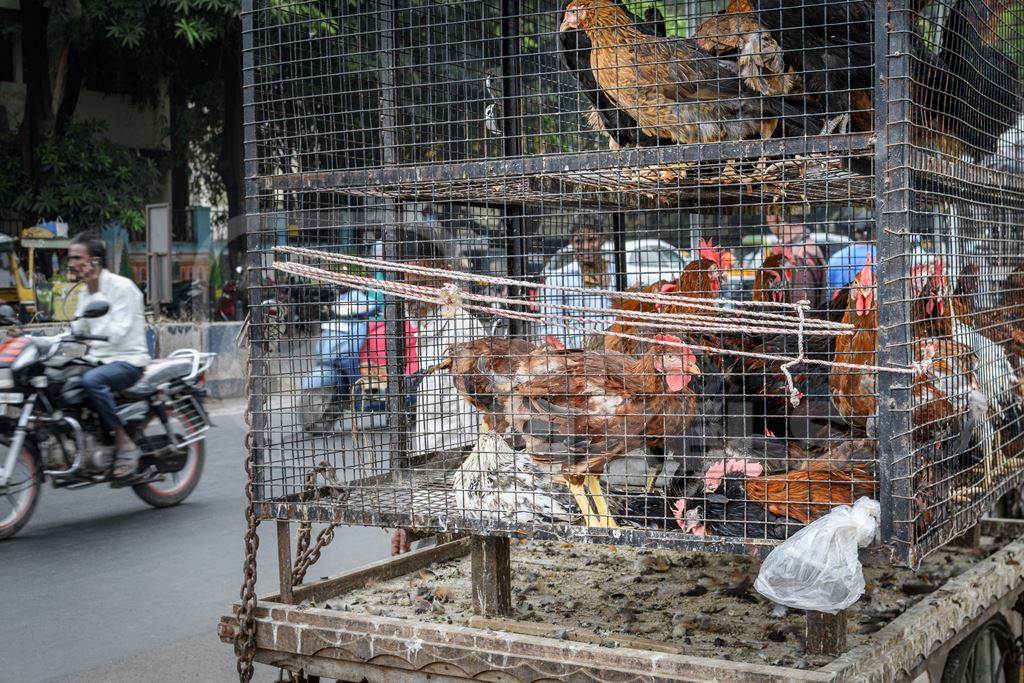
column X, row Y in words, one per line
column 623, row 614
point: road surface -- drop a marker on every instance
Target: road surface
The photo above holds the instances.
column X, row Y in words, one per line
column 101, row 587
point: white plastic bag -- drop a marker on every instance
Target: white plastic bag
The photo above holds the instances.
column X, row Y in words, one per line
column 817, row 568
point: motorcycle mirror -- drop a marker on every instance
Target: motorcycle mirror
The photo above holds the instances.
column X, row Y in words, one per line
column 95, row 309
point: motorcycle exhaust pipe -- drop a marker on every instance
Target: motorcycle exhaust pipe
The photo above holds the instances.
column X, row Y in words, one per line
column 79, row 436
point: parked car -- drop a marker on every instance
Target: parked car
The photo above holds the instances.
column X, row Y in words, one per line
column 647, row 260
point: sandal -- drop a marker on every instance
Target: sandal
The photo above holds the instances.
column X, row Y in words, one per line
column 126, row 463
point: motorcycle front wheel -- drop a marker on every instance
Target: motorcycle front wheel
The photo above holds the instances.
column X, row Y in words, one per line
column 174, row 487
column 18, row 499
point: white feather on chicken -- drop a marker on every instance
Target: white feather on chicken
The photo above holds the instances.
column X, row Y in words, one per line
column 496, row 482
column 996, row 380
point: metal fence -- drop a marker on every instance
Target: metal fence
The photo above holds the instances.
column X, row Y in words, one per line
column 678, row 274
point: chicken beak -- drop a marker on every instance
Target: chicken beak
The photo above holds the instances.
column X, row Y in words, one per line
column 691, row 369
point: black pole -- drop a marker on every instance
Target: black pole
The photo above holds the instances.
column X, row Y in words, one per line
column 619, row 235
column 394, row 311
column 511, row 126
column 892, row 206
column 258, row 244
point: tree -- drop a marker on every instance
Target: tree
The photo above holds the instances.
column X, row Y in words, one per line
column 100, row 182
column 63, row 39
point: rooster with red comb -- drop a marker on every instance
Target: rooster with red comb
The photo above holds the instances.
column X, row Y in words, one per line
column 702, row 278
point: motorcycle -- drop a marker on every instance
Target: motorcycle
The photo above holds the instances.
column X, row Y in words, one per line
column 49, row 431
column 228, row 304
column 352, row 373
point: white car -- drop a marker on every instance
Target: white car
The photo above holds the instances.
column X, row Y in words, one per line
column 647, row 261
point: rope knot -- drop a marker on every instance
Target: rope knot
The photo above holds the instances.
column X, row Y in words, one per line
column 451, row 300
column 795, row 395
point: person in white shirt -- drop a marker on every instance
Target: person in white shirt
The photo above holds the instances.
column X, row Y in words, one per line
column 124, row 355
column 591, row 268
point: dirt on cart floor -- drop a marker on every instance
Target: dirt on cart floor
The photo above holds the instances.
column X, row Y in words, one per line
column 702, row 604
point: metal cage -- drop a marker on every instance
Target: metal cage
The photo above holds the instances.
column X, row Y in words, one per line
column 422, row 175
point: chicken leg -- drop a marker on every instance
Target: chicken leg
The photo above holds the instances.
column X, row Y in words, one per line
column 592, row 504
column 579, row 493
column 604, row 519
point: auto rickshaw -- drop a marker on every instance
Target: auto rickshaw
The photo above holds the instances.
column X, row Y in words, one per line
column 36, row 296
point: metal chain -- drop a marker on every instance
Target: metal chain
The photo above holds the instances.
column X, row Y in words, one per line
column 245, row 641
column 306, row 557
column 303, row 563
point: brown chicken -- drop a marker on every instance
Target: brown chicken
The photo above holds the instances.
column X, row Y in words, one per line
column 702, row 278
column 854, row 390
column 734, row 33
column 807, row 494
column 931, row 312
column 773, row 279
column 581, row 410
column 673, row 88
column 603, row 116
column 482, row 371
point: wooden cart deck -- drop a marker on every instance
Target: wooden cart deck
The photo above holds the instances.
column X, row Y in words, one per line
column 353, row 645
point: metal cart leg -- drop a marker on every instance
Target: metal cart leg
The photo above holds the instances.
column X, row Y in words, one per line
column 826, row 633
column 284, row 561
column 492, row 579
column 971, row 539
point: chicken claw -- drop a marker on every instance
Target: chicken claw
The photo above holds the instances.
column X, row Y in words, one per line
column 836, row 125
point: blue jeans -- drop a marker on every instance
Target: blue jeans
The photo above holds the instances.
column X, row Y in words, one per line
column 100, row 384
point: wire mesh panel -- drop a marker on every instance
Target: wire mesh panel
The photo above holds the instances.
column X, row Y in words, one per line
column 684, row 274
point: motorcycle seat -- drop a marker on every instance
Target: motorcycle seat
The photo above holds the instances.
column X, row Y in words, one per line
column 158, row 372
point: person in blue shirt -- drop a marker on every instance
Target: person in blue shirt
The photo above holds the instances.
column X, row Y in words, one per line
column 845, row 264
column 342, row 337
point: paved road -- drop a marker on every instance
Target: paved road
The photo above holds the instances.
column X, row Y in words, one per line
column 100, row 587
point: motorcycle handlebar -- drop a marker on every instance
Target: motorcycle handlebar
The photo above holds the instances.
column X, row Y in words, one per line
column 92, row 337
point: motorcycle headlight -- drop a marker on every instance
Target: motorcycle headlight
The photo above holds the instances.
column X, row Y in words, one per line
column 6, row 378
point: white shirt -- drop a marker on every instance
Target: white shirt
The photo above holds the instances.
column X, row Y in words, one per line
column 444, row 421
column 124, row 325
column 581, row 324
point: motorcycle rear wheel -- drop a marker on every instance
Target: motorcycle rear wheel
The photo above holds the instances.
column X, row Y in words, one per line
column 318, row 409
column 18, row 499
column 175, row 486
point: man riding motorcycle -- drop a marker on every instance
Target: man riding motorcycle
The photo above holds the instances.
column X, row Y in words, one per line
column 124, row 355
